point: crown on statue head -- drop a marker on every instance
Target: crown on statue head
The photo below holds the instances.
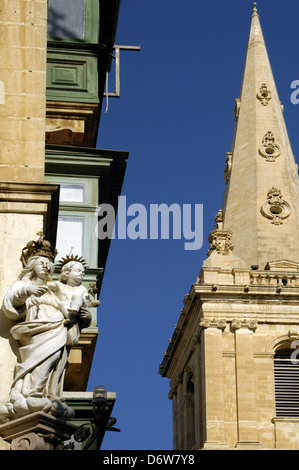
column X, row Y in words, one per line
column 70, row 257
column 40, row 247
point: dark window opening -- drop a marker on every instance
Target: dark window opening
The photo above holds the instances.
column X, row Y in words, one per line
column 286, row 375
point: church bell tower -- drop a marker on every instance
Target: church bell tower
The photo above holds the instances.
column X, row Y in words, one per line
column 232, row 360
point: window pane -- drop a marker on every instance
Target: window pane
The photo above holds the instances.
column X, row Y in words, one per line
column 69, row 236
column 71, row 192
column 66, row 19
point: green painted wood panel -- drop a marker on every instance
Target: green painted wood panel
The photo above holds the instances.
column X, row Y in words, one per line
column 72, row 76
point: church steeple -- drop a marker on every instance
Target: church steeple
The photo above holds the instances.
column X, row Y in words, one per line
column 230, row 360
column 261, row 201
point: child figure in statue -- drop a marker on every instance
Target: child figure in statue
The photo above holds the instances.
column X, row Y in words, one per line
column 73, row 296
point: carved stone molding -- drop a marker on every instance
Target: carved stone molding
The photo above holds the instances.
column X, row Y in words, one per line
column 37, row 431
column 275, row 208
column 204, row 323
column 221, row 324
column 269, row 149
column 34, row 441
column 293, row 334
column 235, row 324
column 264, row 94
column 250, row 324
column 282, row 341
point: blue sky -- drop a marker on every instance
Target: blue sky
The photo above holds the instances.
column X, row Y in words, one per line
column 175, row 117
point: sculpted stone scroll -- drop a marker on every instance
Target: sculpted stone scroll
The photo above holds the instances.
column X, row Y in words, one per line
column 49, row 316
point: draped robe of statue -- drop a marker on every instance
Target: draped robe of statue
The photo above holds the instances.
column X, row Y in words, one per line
column 42, row 336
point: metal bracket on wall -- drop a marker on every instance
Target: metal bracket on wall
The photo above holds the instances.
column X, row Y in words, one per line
column 116, row 56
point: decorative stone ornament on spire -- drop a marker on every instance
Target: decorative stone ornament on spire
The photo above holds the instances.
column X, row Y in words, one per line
column 220, row 240
column 275, row 208
column 221, row 248
column 269, row 149
column 264, row 94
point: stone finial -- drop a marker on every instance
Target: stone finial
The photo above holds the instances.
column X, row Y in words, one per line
column 254, row 10
column 219, row 219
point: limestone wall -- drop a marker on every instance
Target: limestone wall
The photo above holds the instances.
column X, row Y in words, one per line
column 23, row 42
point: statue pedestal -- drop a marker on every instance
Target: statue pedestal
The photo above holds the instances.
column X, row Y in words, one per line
column 37, row 431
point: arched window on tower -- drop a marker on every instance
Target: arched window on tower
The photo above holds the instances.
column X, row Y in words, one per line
column 189, row 414
column 286, row 376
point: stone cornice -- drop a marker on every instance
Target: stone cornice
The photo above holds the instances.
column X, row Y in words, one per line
column 32, row 198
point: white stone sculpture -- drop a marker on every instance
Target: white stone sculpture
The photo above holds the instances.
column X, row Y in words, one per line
column 49, row 317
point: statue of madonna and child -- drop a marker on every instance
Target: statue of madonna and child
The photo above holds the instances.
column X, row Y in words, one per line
column 49, row 317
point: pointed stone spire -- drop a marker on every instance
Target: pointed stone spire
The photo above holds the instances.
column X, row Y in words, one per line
column 261, row 198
